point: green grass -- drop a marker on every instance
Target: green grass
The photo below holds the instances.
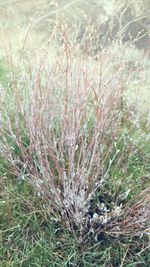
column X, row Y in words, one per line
column 3, row 72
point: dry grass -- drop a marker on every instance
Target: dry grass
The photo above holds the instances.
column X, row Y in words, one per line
column 60, row 134
column 68, row 119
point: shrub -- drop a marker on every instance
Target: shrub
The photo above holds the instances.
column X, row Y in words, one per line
column 60, row 134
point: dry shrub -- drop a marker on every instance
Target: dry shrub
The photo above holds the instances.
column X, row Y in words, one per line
column 136, row 216
column 59, row 132
column 132, row 220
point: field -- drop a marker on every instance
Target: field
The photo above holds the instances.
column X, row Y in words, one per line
column 74, row 139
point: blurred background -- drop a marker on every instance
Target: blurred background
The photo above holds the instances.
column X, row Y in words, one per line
column 121, row 28
column 113, row 18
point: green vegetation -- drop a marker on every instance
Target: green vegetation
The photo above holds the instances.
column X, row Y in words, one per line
column 3, row 72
